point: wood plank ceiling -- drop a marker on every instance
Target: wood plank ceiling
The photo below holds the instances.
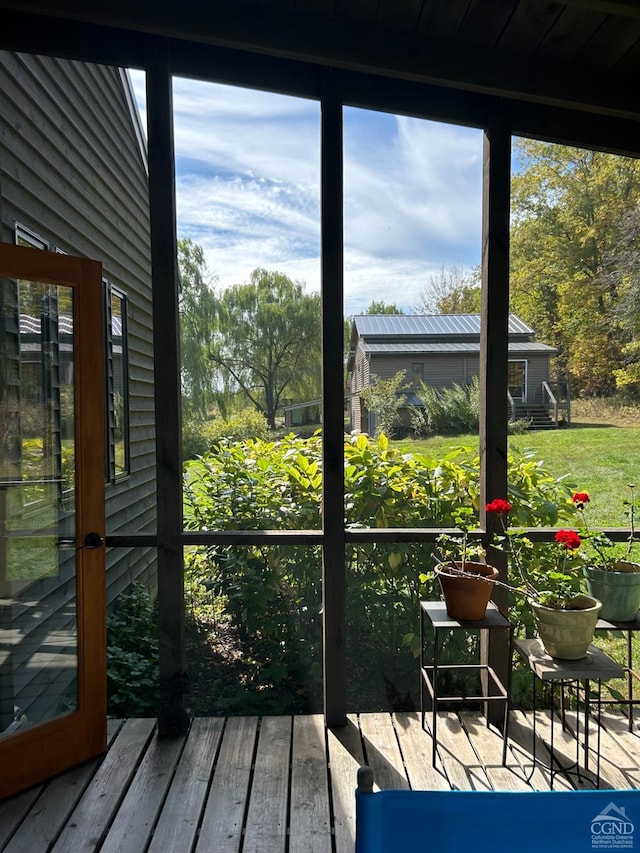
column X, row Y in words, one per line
column 582, row 54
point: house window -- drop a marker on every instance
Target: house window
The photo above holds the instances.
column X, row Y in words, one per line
column 518, row 380
column 24, row 237
column 417, row 373
column 117, row 403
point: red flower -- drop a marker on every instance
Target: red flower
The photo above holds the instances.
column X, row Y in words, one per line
column 581, row 498
column 568, row 538
column 499, row 505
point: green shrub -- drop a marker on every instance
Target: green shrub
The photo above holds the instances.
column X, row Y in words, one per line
column 132, row 655
column 248, row 423
column 271, row 596
column 200, row 437
column 384, row 398
column 447, row 411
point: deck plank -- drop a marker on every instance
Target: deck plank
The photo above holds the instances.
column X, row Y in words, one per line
column 345, row 756
column 131, row 829
column 382, row 751
column 488, row 746
column 617, row 766
column 460, row 762
column 13, row 811
column 521, row 745
column 50, row 811
column 564, row 750
column 266, row 829
column 415, row 745
column 280, row 784
column 177, row 827
column 94, row 813
column 310, row 819
column 567, row 751
column 225, row 807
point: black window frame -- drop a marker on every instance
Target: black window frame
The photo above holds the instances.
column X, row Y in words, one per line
column 112, row 474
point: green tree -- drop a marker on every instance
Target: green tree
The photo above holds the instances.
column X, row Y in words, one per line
column 383, row 398
column 199, row 312
column 269, row 341
column 452, row 290
column 380, row 307
column 574, row 252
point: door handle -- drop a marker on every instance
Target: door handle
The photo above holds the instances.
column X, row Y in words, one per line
column 93, row 540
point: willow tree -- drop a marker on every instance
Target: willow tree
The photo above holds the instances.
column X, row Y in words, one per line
column 268, row 343
column 199, row 309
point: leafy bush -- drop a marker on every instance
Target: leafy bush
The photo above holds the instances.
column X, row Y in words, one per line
column 132, row 655
column 271, row 596
column 200, row 437
column 447, row 410
column 383, row 398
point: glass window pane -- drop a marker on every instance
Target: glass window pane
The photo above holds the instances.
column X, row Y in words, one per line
column 120, row 392
column 38, row 643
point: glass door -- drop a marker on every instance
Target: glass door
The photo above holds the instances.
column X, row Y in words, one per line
column 518, row 380
column 52, row 570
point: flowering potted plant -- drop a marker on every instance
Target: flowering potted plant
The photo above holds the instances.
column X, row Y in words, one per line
column 465, row 578
column 565, row 616
column 611, row 575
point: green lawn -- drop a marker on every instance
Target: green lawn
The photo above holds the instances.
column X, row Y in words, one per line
column 598, row 459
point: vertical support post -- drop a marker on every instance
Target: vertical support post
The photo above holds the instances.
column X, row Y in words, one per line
column 494, row 352
column 173, row 718
column 333, row 548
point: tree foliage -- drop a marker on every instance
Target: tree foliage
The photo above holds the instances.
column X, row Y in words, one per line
column 381, row 307
column 384, row 398
column 453, row 290
column 268, row 344
column 575, row 244
column 199, row 311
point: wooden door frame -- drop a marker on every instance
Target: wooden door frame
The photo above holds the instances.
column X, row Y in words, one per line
column 80, row 734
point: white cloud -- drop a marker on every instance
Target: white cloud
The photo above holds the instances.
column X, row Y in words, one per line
column 248, row 190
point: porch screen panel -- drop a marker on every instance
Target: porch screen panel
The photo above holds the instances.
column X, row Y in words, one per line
column 573, row 287
column 412, row 214
column 247, row 191
column 412, row 252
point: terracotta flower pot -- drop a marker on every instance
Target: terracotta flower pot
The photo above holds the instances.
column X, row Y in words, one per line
column 619, row 590
column 567, row 634
column 466, row 597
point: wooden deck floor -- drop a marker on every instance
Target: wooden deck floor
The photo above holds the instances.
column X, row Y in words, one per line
column 282, row 784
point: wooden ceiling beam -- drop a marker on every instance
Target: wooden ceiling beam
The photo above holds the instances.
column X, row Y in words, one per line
column 355, row 48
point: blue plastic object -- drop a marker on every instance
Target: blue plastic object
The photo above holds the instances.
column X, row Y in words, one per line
column 495, row 821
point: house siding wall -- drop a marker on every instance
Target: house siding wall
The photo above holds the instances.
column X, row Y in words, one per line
column 440, row 371
column 71, row 171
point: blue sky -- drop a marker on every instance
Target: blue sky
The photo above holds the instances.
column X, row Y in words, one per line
column 248, row 191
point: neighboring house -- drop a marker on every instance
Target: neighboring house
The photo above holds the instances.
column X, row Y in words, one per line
column 302, row 414
column 443, row 350
column 73, row 180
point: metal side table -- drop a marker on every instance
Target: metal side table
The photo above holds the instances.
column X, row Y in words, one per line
column 554, row 673
column 605, row 625
column 435, row 619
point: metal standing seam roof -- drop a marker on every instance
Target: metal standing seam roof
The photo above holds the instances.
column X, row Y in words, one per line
column 449, row 347
column 429, row 324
